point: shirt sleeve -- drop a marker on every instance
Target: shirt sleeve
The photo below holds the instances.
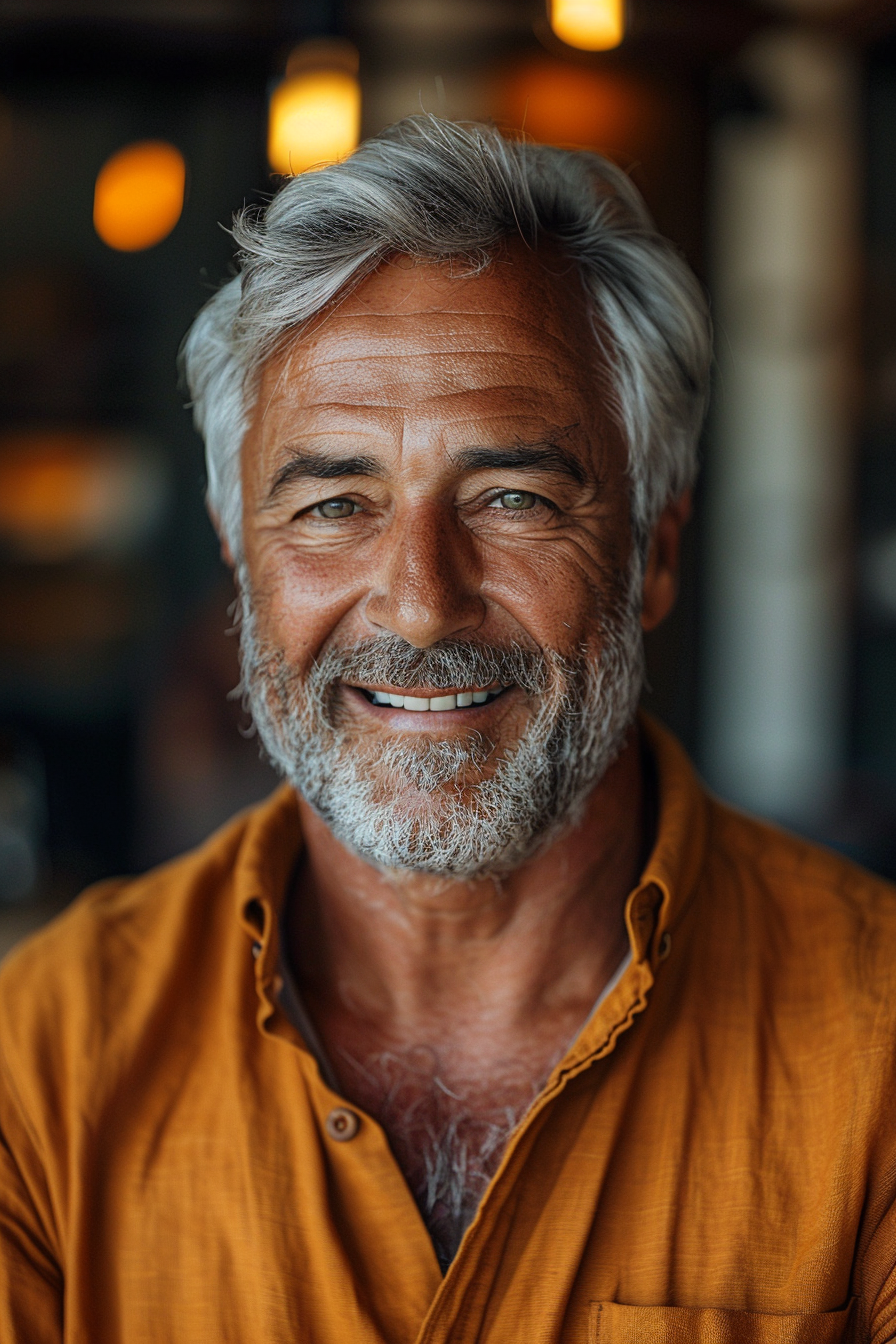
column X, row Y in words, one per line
column 30, row 1278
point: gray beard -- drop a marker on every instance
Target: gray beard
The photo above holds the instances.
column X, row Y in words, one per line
column 452, row 807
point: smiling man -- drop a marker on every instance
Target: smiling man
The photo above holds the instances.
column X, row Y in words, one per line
column 491, row 1025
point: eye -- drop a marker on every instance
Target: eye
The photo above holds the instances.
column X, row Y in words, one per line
column 335, row 508
column 516, row 500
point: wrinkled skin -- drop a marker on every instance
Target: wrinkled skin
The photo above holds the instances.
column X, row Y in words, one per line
column 472, row 988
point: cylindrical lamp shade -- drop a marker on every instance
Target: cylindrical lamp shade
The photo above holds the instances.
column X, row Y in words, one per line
column 315, row 113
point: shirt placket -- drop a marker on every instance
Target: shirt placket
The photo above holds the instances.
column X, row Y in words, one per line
column 401, row 1269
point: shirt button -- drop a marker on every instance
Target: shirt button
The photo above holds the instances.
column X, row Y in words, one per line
column 665, row 946
column 342, row 1124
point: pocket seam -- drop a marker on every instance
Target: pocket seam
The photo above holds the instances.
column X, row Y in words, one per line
column 595, row 1311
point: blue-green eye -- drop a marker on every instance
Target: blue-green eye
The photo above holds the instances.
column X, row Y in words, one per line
column 334, row 508
column 517, row 500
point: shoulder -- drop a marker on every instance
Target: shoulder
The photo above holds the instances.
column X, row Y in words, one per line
column 811, row 921
column 782, row 930
column 114, row 910
column 807, row 876
column 758, row 878
column 128, row 955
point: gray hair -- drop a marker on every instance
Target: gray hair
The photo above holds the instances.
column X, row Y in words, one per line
column 438, row 190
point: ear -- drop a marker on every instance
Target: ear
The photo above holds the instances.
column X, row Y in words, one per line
column 661, row 572
column 226, row 552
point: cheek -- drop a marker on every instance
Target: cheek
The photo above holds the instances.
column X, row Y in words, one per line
column 551, row 594
column 300, row 599
column 557, row 584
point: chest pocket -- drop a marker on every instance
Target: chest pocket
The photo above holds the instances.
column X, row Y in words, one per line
column 611, row 1323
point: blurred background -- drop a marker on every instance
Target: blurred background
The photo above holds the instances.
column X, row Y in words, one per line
column 763, row 136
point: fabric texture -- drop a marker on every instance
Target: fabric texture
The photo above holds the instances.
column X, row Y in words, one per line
column 713, row 1160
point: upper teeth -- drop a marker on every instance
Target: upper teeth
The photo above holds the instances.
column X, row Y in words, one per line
column 458, row 701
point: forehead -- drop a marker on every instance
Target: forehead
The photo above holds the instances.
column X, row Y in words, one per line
column 418, row 334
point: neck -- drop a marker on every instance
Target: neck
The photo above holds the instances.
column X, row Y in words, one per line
column 420, row 955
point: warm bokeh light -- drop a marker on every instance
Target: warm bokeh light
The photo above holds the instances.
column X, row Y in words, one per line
column 139, row 195
column 590, row 25
column 315, row 114
column 67, row 492
column 614, row 112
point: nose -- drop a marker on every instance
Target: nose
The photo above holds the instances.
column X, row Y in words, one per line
column 428, row 585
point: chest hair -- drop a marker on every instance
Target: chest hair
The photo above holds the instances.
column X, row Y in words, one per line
column 448, row 1138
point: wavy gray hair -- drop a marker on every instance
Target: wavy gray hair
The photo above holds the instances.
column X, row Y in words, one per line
column 438, row 190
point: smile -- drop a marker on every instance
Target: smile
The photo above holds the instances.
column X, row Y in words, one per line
column 438, row 703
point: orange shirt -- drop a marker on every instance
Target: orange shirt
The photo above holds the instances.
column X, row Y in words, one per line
column 714, row 1160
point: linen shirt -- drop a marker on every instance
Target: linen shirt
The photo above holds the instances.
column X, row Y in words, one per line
column 713, row 1161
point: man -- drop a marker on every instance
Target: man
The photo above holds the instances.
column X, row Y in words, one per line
column 490, row 1025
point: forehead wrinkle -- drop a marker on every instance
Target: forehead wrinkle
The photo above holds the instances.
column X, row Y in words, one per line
column 448, row 405
column 544, row 311
column 397, row 346
column 525, row 300
column 520, row 395
column 369, row 362
column 439, row 340
column 350, row 408
column 484, row 371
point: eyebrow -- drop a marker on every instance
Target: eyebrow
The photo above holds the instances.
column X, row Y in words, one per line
column 319, row 465
column 546, row 456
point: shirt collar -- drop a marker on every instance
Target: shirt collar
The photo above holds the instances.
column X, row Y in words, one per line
column 265, row 864
column 673, row 868
column 656, row 904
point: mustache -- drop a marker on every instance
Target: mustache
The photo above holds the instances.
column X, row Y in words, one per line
column 447, row 664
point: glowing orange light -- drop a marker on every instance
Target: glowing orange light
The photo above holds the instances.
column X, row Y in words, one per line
column 139, row 195
column 67, row 492
column 590, row 25
column 315, row 114
column 618, row 113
